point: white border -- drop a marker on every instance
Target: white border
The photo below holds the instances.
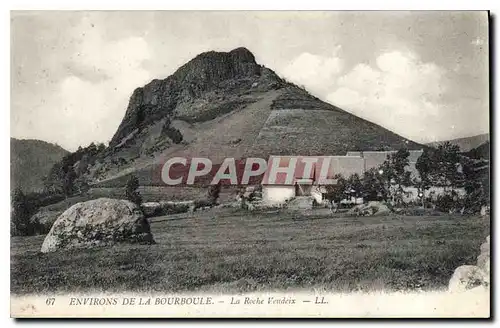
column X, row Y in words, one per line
column 186, row 5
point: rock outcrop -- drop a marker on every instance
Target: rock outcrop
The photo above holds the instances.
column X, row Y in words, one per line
column 467, row 277
column 189, row 92
column 100, row 222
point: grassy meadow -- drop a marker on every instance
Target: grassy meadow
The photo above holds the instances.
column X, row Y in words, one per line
column 230, row 250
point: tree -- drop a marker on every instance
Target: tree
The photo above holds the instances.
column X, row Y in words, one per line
column 441, row 167
column 394, row 168
column 53, row 181
column 445, row 167
column 100, row 147
column 69, row 181
column 375, row 186
column 21, row 213
column 213, row 193
column 131, row 192
column 354, row 186
column 477, row 182
column 336, row 192
column 81, row 185
column 425, row 167
column 91, row 150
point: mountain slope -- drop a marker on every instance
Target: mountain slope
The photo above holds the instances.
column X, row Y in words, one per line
column 30, row 161
column 466, row 144
column 224, row 104
column 480, row 152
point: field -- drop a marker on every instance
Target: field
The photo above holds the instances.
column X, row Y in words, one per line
column 228, row 250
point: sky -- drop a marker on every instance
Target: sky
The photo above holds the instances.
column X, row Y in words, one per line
column 423, row 75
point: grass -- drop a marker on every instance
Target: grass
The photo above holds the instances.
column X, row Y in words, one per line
column 227, row 250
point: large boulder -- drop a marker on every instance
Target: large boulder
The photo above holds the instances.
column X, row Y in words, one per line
column 483, row 260
column 369, row 209
column 98, row 222
column 467, row 277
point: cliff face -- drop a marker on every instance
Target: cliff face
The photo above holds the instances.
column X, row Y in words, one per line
column 209, row 77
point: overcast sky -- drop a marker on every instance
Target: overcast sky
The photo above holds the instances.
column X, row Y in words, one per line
column 423, row 75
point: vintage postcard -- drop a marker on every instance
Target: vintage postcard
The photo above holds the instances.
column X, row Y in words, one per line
column 250, row 164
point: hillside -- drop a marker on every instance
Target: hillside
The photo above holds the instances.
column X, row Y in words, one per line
column 467, row 143
column 224, row 104
column 30, row 161
column 480, row 152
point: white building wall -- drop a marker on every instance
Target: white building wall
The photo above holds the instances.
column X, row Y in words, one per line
column 316, row 193
column 277, row 194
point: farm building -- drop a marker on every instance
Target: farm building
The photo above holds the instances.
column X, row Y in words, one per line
column 374, row 159
column 289, row 176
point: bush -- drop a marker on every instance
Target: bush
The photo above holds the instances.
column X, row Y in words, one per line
column 21, row 213
column 166, row 209
column 203, row 203
column 448, row 202
column 131, row 192
column 24, row 206
column 213, row 193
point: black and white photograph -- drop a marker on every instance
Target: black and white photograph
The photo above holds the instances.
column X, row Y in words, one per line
column 236, row 164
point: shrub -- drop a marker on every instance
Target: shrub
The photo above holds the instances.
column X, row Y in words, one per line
column 131, row 192
column 203, row 203
column 21, row 213
column 213, row 193
column 448, row 202
column 24, row 206
column 174, row 208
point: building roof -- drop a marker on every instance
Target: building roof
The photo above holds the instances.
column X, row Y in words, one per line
column 322, row 167
column 374, row 159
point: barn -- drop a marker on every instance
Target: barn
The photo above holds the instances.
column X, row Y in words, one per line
column 287, row 177
column 374, row 159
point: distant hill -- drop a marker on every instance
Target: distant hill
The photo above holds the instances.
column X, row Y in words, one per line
column 224, row 104
column 30, row 161
column 466, row 144
column 481, row 152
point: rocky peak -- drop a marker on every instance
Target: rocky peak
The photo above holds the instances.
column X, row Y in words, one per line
column 224, row 73
column 214, row 67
